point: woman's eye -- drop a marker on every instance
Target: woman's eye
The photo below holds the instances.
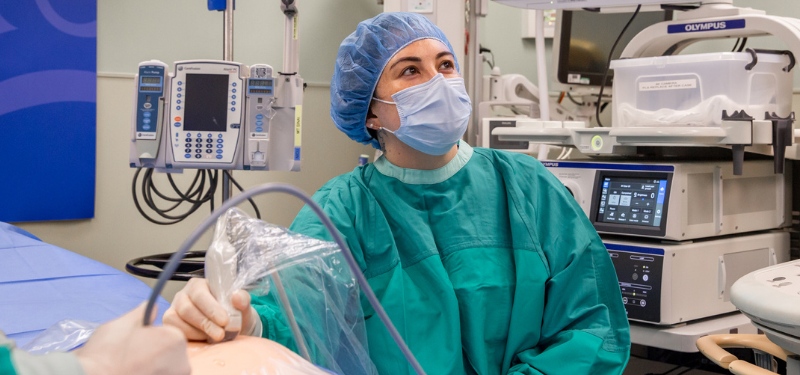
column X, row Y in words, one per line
column 446, row 65
column 409, row 71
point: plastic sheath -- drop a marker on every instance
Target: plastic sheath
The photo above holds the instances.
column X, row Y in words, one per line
column 298, row 336
column 175, row 259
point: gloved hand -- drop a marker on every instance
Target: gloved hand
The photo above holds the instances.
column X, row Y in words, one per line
column 126, row 346
column 198, row 315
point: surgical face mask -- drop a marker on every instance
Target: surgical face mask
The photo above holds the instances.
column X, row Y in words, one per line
column 433, row 115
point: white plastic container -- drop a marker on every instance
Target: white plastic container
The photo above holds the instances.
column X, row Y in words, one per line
column 693, row 90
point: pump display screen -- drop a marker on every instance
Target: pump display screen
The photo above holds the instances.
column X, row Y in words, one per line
column 151, row 80
column 206, row 102
column 632, row 201
column 261, row 82
column 145, row 88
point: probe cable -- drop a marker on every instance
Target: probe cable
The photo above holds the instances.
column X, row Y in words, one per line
column 608, row 64
column 176, row 258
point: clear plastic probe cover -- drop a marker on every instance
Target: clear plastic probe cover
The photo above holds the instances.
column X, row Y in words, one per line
column 321, row 289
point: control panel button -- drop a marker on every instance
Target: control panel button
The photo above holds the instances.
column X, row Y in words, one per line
column 188, row 145
column 188, row 139
column 145, row 120
column 198, row 156
column 210, row 135
column 219, row 146
column 177, row 124
column 180, row 89
column 208, row 151
column 209, row 145
column 219, row 140
column 179, row 95
column 234, row 90
column 146, row 114
column 178, row 101
column 187, row 150
column 199, row 140
column 219, row 151
column 635, row 277
column 259, row 117
column 259, row 123
column 188, row 135
column 259, row 129
column 645, row 277
column 198, row 151
column 219, row 135
column 233, row 109
column 146, row 127
column 219, row 156
column 233, row 96
column 178, row 108
column 209, row 141
column 148, row 105
column 233, row 103
column 180, row 83
column 188, row 156
column 234, row 84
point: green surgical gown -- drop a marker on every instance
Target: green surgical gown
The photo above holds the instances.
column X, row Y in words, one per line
column 485, row 266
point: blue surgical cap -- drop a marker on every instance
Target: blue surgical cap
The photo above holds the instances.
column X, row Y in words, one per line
column 362, row 57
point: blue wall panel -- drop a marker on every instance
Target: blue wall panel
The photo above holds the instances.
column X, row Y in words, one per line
column 48, row 91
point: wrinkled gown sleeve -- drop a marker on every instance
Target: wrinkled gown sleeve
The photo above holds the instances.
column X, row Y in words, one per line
column 16, row 362
column 584, row 328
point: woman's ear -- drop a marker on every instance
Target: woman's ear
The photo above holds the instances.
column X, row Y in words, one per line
column 373, row 122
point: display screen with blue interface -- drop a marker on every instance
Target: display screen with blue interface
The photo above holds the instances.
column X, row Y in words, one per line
column 632, row 201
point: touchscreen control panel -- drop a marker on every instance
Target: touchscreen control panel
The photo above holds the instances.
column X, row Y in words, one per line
column 630, row 202
column 634, row 201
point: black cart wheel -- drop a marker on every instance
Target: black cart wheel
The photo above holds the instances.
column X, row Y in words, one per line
column 151, row 266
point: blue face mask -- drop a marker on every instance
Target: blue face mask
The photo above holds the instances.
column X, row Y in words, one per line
column 433, row 115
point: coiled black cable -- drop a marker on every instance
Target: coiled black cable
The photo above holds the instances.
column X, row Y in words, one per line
column 195, row 195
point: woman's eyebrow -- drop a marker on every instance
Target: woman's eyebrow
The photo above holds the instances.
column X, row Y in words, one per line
column 442, row 54
column 410, row 58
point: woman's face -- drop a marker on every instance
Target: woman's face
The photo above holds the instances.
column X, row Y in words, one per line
column 415, row 64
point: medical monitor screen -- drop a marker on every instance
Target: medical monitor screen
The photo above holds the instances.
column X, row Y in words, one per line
column 632, row 201
column 206, row 102
column 586, row 39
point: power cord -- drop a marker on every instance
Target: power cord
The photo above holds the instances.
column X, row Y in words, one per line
column 608, row 64
column 195, row 195
column 255, row 208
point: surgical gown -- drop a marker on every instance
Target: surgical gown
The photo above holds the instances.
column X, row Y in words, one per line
column 485, row 266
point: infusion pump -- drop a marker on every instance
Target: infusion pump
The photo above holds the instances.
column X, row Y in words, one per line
column 215, row 115
column 677, row 201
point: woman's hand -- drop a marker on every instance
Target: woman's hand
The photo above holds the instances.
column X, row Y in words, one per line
column 199, row 316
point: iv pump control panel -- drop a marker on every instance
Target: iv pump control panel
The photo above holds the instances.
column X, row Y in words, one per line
column 207, row 114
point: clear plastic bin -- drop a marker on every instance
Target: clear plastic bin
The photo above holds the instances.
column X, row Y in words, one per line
column 693, row 90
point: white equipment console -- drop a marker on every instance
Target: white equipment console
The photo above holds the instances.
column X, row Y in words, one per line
column 677, row 201
column 771, row 298
column 660, row 283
